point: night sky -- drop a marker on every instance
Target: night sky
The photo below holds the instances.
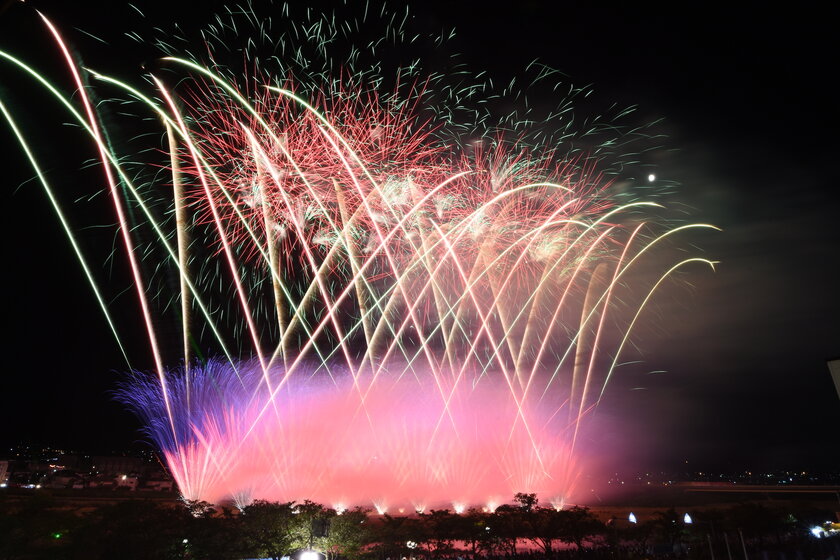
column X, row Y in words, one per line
column 750, row 112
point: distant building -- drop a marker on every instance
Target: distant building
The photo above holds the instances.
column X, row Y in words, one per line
column 36, row 466
column 102, row 481
column 62, row 479
column 127, row 481
column 158, row 484
column 118, row 465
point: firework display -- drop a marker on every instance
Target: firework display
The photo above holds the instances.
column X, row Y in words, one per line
column 376, row 303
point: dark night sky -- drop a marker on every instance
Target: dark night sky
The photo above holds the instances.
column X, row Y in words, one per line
column 748, row 105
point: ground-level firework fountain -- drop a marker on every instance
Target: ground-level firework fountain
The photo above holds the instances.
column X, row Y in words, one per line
column 394, row 444
column 397, row 321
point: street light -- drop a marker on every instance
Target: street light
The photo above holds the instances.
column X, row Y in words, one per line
column 309, row 555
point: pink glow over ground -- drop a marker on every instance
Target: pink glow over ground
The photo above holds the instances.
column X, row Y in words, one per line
column 402, row 448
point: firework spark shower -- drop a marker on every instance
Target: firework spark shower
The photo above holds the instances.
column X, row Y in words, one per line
column 408, row 307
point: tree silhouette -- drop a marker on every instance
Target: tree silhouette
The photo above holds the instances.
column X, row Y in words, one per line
column 268, row 528
column 348, row 534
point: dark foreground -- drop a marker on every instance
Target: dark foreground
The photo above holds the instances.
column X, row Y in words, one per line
column 39, row 525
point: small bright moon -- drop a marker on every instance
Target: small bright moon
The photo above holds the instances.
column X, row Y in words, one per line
column 651, row 178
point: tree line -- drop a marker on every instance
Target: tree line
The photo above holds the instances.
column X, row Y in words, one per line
column 39, row 527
